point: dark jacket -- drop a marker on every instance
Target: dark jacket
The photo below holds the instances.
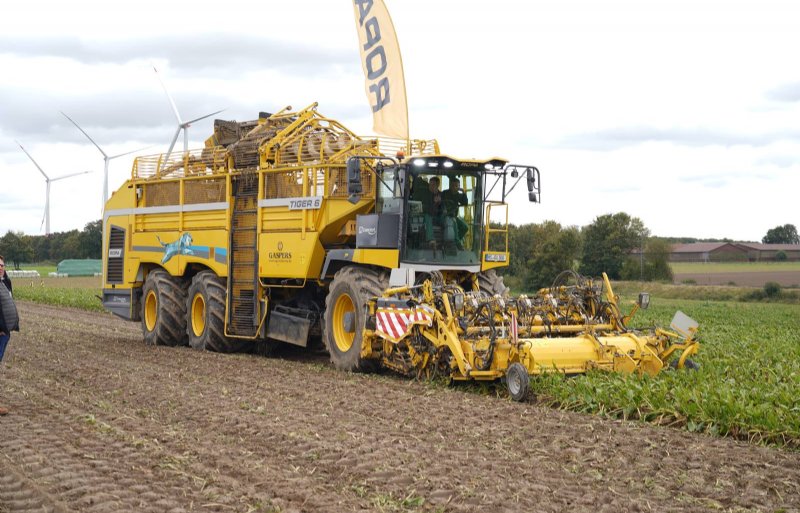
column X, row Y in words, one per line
column 3, row 328
column 452, row 200
column 9, row 318
column 7, row 281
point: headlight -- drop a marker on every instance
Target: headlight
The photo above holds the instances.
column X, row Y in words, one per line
column 458, row 301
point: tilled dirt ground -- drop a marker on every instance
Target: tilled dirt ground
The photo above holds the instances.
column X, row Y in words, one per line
column 102, row 423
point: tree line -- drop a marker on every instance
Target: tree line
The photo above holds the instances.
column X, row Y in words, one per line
column 18, row 248
column 617, row 244
column 540, row 251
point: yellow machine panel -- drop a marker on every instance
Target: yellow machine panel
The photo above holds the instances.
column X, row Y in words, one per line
column 290, row 255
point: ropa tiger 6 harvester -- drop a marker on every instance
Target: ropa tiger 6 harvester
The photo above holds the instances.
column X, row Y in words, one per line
column 291, row 228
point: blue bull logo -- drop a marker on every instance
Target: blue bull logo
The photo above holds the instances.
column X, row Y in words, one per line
column 182, row 246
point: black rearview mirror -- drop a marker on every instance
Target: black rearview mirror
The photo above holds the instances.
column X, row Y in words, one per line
column 533, row 187
column 354, row 180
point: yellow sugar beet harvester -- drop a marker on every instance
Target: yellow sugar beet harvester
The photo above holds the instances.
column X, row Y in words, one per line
column 292, row 229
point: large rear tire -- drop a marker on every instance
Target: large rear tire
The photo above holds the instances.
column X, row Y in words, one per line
column 492, row 283
column 164, row 310
column 347, row 297
column 205, row 305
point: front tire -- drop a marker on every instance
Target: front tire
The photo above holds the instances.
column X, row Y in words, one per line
column 205, row 305
column 347, row 297
column 492, row 283
column 163, row 310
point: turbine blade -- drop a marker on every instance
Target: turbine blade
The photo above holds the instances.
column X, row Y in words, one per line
column 201, row 117
column 34, row 162
column 84, row 133
column 169, row 96
column 171, row 145
column 129, row 152
column 70, row 175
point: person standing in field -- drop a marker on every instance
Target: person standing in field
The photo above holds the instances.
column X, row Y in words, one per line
column 9, row 320
column 4, row 275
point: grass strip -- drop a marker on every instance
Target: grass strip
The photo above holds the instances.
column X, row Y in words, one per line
column 64, row 295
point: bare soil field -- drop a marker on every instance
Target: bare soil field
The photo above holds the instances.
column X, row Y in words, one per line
column 101, row 422
column 743, row 278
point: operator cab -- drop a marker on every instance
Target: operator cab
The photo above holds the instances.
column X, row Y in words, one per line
column 444, row 215
column 432, row 209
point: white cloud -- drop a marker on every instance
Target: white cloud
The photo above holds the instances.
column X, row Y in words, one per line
column 683, row 113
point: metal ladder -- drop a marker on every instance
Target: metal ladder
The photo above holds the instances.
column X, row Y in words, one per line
column 243, row 302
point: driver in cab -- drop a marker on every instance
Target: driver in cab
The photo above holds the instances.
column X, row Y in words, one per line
column 453, row 198
column 434, row 208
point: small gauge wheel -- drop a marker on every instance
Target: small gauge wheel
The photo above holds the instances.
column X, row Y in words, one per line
column 518, row 381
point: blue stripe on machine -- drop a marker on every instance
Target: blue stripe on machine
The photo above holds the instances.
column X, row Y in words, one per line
column 220, row 254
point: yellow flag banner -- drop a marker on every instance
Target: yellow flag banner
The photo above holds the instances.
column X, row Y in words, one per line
column 383, row 68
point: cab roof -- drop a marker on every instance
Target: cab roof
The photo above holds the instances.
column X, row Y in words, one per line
column 447, row 162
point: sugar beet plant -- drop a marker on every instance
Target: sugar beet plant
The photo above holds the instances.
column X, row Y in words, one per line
column 748, row 384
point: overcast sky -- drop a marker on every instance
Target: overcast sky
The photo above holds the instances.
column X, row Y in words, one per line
column 685, row 114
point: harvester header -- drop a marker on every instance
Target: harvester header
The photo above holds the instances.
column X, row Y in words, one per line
column 438, row 328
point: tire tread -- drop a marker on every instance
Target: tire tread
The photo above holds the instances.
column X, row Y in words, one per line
column 368, row 283
column 171, row 318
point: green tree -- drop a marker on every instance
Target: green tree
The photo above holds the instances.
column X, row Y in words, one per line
column 786, row 234
column 41, row 248
column 653, row 265
column 61, row 245
column 16, row 248
column 91, row 240
column 608, row 241
column 70, row 245
column 520, row 242
column 554, row 249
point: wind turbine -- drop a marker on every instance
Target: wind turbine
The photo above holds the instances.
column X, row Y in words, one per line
column 182, row 125
column 106, row 158
column 46, row 219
